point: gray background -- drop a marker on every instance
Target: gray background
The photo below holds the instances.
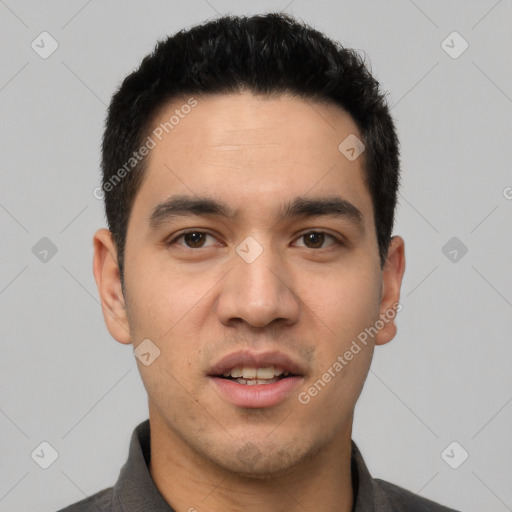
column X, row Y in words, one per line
column 447, row 375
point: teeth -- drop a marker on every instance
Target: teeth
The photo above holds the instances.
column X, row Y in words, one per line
column 265, row 373
column 252, row 382
column 235, row 373
column 249, row 373
column 266, row 381
column 255, row 374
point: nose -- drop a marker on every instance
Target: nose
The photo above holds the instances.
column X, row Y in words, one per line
column 258, row 292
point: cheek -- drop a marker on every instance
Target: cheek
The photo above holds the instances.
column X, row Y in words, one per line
column 168, row 307
column 163, row 297
column 345, row 301
column 343, row 305
column 343, row 310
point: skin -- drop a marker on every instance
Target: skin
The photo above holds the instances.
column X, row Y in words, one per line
column 199, row 304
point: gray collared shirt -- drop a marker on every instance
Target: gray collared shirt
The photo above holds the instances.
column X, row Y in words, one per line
column 135, row 490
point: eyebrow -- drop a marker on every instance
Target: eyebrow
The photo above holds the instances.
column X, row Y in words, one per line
column 184, row 205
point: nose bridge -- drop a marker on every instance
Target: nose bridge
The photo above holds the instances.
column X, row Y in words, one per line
column 262, row 280
column 257, row 290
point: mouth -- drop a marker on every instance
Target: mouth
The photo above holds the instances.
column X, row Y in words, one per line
column 253, row 380
column 251, row 376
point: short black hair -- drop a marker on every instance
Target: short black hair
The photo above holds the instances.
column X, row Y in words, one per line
column 267, row 54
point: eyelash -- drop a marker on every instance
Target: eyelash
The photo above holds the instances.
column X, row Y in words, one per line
column 336, row 240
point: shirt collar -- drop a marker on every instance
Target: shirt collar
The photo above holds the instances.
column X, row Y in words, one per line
column 135, row 490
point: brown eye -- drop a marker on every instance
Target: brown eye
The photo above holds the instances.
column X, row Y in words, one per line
column 192, row 239
column 317, row 239
column 314, row 240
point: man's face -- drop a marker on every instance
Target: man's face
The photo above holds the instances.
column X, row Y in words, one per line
column 258, row 282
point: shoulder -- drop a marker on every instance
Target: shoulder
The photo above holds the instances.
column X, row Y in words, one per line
column 402, row 500
column 99, row 502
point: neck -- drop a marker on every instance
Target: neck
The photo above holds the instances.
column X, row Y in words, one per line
column 189, row 482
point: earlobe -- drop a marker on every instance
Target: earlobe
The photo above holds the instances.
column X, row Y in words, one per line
column 106, row 274
column 392, row 275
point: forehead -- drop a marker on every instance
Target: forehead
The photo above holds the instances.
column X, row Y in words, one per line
column 253, row 152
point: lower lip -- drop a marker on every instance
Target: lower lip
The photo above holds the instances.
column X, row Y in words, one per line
column 257, row 395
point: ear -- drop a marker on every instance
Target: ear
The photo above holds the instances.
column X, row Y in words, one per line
column 106, row 274
column 392, row 275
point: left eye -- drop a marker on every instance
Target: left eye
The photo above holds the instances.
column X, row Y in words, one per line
column 193, row 239
column 316, row 239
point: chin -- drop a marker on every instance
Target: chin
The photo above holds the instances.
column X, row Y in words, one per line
column 256, row 461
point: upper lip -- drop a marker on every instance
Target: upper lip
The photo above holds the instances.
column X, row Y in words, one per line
column 250, row 359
